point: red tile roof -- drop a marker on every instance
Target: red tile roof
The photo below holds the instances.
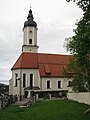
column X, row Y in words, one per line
column 48, row 64
column 47, row 69
column 26, row 60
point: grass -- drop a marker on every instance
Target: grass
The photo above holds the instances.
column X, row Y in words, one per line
column 47, row 110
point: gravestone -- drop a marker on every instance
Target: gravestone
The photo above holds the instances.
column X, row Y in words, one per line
column 0, row 104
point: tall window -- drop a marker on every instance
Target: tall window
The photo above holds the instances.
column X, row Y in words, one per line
column 59, row 84
column 30, row 41
column 48, row 84
column 16, row 79
column 24, row 80
column 31, row 80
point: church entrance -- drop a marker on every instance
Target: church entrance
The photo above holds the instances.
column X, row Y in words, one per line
column 26, row 94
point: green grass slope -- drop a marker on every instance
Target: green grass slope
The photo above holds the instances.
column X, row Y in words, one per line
column 47, row 110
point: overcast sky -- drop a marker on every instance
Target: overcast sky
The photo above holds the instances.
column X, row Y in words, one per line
column 55, row 21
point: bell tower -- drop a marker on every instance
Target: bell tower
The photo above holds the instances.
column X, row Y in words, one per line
column 30, row 34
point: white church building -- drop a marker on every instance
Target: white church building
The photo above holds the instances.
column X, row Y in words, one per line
column 38, row 72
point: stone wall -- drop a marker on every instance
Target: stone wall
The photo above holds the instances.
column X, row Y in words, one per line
column 82, row 97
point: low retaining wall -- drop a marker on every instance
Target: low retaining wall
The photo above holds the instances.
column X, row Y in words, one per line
column 81, row 97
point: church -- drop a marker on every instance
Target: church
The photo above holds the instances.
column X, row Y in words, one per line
column 38, row 72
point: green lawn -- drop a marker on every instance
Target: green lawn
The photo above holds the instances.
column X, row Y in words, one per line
column 47, row 110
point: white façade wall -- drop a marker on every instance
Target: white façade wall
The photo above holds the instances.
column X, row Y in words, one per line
column 30, row 48
column 36, row 76
column 29, row 32
column 10, row 87
column 20, row 72
column 82, row 97
column 54, row 84
column 15, row 90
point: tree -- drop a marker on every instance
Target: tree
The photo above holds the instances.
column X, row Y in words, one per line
column 83, row 4
column 3, row 88
column 79, row 46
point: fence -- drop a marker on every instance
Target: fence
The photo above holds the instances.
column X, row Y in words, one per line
column 82, row 97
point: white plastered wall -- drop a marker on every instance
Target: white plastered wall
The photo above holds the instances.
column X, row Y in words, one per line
column 27, row 35
column 82, row 97
column 54, row 84
column 36, row 79
column 10, row 87
column 16, row 90
column 30, row 48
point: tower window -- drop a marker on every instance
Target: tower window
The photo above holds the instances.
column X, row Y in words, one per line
column 16, row 79
column 30, row 41
column 24, row 79
column 48, row 84
column 59, row 84
column 30, row 31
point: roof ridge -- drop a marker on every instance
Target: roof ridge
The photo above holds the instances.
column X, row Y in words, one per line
column 53, row 54
column 47, row 54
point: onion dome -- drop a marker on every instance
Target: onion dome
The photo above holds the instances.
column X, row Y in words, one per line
column 30, row 21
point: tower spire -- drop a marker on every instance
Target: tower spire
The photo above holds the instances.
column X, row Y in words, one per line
column 30, row 5
column 30, row 21
column 30, row 15
column 30, row 34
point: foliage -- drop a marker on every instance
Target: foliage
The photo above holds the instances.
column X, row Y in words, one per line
column 55, row 94
column 79, row 46
column 47, row 110
column 43, row 95
column 83, row 4
column 4, row 88
column 32, row 93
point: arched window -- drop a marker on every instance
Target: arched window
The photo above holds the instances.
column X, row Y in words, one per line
column 59, row 84
column 24, row 80
column 69, row 83
column 31, row 80
column 48, row 84
column 16, row 79
column 30, row 41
